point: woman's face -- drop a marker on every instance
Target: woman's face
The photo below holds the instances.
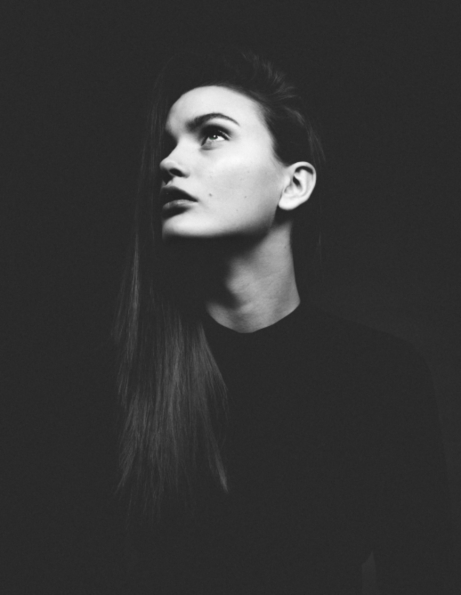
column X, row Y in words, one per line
column 222, row 156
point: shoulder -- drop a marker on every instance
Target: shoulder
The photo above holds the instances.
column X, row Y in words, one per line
column 353, row 339
column 377, row 359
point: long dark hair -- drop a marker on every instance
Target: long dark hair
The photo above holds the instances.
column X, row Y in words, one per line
column 172, row 394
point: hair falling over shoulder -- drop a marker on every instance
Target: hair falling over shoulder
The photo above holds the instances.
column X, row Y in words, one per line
column 172, row 397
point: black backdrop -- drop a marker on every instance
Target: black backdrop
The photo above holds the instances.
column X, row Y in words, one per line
column 386, row 78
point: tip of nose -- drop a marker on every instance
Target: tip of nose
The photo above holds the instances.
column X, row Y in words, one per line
column 170, row 168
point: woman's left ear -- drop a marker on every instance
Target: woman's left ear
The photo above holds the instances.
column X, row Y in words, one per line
column 301, row 182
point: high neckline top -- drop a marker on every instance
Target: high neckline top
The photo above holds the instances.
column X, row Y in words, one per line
column 332, row 451
column 278, row 326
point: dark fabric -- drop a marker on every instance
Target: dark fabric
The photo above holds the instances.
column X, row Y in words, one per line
column 333, row 451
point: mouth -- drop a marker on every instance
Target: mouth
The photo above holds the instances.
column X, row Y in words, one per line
column 170, row 194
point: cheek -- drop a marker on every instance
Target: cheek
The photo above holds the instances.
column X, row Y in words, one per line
column 240, row 178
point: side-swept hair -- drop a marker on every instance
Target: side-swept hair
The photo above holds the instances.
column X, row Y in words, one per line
column 172, row 395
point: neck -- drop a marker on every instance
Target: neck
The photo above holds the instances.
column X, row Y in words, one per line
column 254, row 287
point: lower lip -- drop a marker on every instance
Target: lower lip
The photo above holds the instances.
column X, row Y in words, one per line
column 177, row 204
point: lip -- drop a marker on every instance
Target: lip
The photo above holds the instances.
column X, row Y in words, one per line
column 171, row 194
column 175, row 206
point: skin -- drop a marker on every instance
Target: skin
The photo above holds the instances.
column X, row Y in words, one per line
column 240, row 189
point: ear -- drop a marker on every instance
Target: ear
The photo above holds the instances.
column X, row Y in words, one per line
column 301, row 179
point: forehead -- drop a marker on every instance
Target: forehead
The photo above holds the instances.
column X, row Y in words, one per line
column 212, row 99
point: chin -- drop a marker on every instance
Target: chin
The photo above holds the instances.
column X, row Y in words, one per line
column 171, row 231
column 175, row 229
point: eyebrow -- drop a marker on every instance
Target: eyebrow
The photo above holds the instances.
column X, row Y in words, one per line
column 200, row 120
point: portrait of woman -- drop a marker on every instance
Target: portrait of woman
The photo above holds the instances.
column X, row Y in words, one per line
column 265, row 446
column 232, row 329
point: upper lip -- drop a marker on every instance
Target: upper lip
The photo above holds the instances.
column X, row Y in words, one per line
column 169, row 193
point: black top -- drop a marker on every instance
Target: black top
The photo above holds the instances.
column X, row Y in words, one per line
column 333, row 450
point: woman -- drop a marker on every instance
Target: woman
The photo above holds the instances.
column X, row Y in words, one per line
column 266, row 446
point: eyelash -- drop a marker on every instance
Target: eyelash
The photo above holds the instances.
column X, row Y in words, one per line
column 209, row 130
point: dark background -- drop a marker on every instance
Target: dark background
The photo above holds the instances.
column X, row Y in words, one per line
column 78, row 76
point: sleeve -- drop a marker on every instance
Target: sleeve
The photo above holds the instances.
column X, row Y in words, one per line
column 413, row 544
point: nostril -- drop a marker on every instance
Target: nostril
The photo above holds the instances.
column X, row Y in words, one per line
column 172, row 171
column 165, row 175
column 176, row 171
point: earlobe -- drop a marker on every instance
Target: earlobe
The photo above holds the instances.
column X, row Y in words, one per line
column 302, row 180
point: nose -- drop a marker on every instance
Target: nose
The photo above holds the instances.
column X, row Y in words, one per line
column 172, row 166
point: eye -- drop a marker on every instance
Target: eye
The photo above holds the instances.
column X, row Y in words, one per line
column 213, row 131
